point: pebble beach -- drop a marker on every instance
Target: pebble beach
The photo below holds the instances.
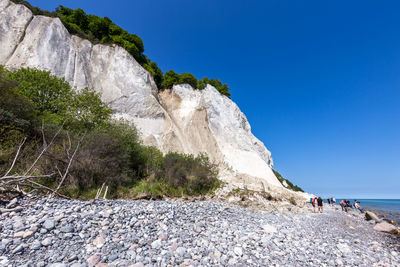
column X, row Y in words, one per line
column 177, row 233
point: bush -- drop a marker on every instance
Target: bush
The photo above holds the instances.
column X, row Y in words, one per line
column 45, row 91
column 33, row 104
column 195, row 175
column 54, row 100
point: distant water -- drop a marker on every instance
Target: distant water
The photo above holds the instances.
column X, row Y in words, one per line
column 388, row 207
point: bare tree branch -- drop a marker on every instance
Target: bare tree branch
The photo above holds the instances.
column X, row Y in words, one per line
column 37, row 185
column 43, row 150
column 69, row 165
column 15, row 158
column 44, row 137
column 15, row 179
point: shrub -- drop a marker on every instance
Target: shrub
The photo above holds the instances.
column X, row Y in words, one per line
column 45, row 91
column 188, row 78
column 109, row 151
column 195, row 175
column 170, row 78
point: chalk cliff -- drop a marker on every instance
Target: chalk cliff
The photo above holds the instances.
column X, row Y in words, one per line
column 180, row 119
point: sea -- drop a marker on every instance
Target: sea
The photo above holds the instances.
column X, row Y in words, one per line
column 387, row 208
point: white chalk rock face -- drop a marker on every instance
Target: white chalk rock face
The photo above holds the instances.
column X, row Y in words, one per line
column 181, row 119
column 223, row 132
column 13, row 20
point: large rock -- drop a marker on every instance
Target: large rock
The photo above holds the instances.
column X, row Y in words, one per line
column 369, row 215
column 181, row 119
column 386, row 227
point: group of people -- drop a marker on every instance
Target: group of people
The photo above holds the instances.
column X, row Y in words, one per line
column 345, row 204
column 331, row 201
column 318, row 201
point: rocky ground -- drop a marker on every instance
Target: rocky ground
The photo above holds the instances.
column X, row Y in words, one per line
column 201, row 233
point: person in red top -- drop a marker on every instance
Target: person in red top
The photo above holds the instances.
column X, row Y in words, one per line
column 313, row 202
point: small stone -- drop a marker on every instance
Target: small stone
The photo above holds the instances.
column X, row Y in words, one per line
column 269, row 228
column 18, row 225
column 238, row 251
column 93, row 260
column 138, row 264
column 99, row 241
column 27, row 234
column 112, row 257
column 344, row 248
column 47, row 242
column 101, row 264
column 49, row 224
column 163, row 237
column 19, row 234
column 18, row 249
column 67, row 229
column 181, row 251
column 174, row 246
column 394, row 253
column 156, row 244
column 72, row 258
column 35, row 245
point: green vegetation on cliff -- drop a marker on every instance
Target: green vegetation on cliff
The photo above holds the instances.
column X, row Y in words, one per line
column 40, row 107
column 103, row 30
column 290, row 185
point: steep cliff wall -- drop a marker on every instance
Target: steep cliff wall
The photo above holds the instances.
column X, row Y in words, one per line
column 181, row 119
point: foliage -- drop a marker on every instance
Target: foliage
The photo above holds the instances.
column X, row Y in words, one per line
column 290, row 185
column 37, row 105
column 222, row 88
column 194, row 175
column 188, row 78
column 171, row 78
column 55, row 101
column 86, row 110
column 45, row 91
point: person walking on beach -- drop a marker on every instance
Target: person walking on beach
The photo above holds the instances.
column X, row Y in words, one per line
column 314, row 200
column 329, row 201
column 333, row 201
column 320, row 205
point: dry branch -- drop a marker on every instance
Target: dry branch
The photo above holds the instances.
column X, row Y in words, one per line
column 16, row 156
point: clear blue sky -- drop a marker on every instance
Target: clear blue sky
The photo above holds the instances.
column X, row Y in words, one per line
column 318, row 80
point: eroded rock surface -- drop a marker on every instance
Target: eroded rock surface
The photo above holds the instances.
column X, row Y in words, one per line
column 181, row 119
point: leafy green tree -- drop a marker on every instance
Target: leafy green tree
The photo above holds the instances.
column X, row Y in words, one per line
column 45, row 91
column 189, row 79
column 170, row 78
column 87, row 110
column 222, row 88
